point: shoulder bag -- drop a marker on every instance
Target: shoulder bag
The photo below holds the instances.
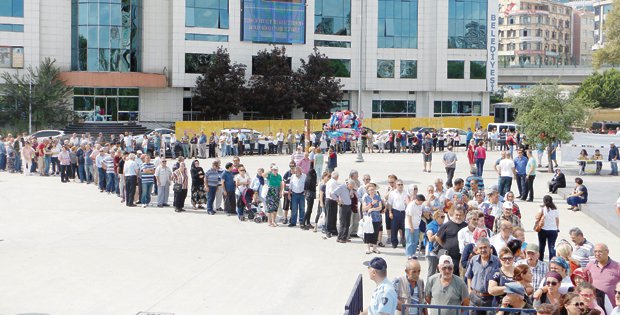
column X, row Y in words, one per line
column 540, row 220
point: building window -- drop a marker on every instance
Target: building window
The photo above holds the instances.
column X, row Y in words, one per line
column 12, row 57
column 457, row 108
column 106, row 36
column 106, row 104
column 393, row 108
column 332, row 43
column 467, row 24
column 206, row 37
column 206, row 13
column 19, row 28
column 398, row 24
column 194, row 63
column 341, row 67
column 456, row 69
column 477, row 70
column 385, row 68
column 13, row 8
column 332, row 17
column 409, row 69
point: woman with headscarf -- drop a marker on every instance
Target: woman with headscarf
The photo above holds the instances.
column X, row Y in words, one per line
column 471, row 152
column 274, row 194
column 579, row 276
column 199, row 196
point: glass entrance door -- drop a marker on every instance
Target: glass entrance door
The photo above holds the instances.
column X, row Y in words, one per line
column 112, row 109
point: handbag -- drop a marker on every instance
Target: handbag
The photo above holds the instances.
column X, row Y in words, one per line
column 177, row 187
column 321, row 221
column 540, row 221
column 368, row 227
column 360, row 228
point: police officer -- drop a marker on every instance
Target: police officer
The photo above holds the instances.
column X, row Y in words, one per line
column 384, row 298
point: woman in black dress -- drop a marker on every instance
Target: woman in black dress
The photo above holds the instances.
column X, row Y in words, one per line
column 199, row 196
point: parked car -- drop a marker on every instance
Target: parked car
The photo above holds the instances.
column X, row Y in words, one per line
column 161, row 131
column 247, row 132
column 500, row 126
column 46, row 134
column 384, row 136
column 424, row 130
column 462, row 134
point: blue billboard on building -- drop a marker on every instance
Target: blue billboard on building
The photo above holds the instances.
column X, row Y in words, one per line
column 274, row 21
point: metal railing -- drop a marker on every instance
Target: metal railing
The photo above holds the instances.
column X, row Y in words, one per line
column 457, row 309
column 355, row 302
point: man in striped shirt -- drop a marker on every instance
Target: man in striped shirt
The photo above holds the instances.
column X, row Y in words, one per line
column 147, row 178
column 107, row 163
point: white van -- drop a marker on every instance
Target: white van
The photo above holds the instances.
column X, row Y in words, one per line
column 500, row 126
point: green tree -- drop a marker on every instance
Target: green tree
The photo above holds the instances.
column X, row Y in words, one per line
column 610, row 53
column 42, row 88
column 220, row 89
column 271, row 90
column 317, row 87
column 547, row 115
column 603, row 89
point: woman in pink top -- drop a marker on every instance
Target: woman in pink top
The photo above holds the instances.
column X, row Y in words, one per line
column 480, row 154
column 65, row 160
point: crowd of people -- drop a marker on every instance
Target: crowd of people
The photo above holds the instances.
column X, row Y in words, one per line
column 469, row 233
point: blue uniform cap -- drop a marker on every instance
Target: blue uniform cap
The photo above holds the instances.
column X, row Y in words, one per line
column 376, row 263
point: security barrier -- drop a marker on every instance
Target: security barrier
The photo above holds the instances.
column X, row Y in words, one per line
column 355, row 302
column 376, row 124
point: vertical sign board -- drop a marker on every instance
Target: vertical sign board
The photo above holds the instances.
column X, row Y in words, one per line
column 492, row 42
column 274, row 21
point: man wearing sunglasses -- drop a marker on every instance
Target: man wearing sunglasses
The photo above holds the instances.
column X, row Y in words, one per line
column 444, row 288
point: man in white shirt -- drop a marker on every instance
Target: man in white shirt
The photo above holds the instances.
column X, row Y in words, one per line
column 296, row 186
column 396, row 205
column 130, row 171
column 506, row 171
column 413, row 216
column 163, row 175
column 499, row 240
column 331, row 205
column 280, row 141
column 466, row 234
column 459, row 183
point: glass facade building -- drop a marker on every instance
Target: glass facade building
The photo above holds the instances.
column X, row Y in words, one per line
column 106, row 104
column 106, row 35
column 393, row 108
column 12, row 8
column 467, row 24
column 398, row 24
column 332, row 17
column 206, row 13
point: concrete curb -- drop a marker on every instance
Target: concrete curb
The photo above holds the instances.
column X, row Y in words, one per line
column 598, row 216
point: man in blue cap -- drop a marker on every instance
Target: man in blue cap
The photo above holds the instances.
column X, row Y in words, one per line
column 515, row 298
column 384, row 298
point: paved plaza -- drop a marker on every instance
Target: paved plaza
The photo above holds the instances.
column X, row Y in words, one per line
column 69, row 249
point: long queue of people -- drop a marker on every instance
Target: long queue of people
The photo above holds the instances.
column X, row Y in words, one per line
column 471, row 237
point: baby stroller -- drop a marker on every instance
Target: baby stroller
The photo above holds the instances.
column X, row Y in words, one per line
column 251, row 205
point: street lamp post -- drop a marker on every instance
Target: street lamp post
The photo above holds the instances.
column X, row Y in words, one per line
column 30, row 107
column 360, row 143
